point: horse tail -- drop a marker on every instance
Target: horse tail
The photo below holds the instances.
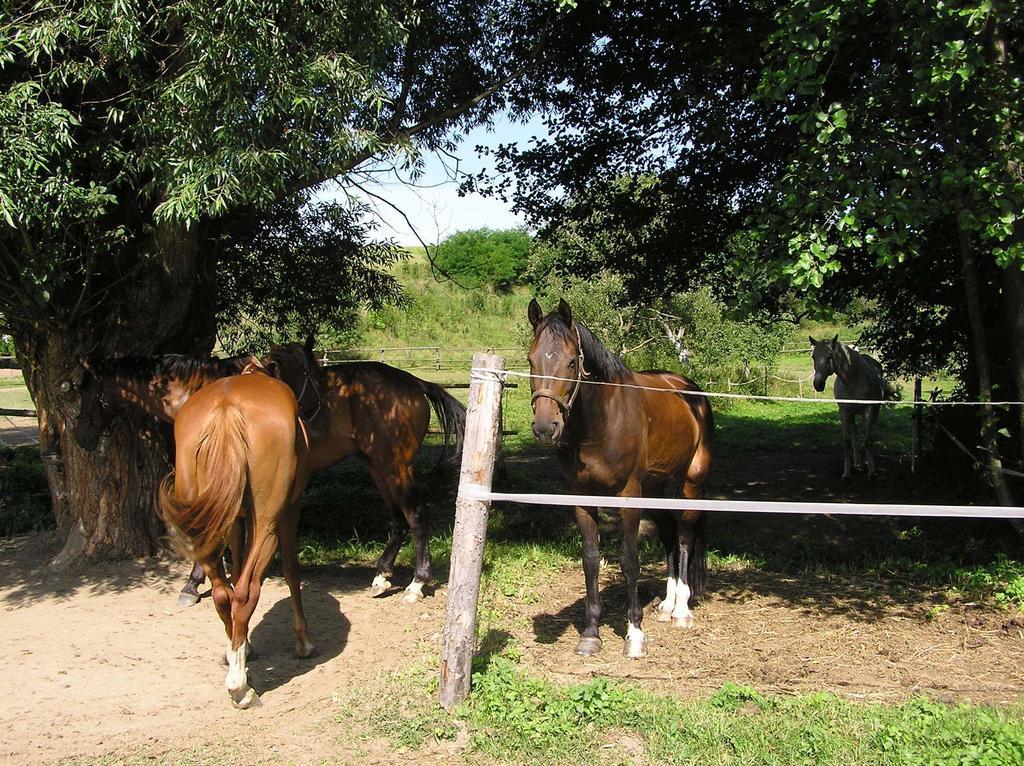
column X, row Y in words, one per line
column 697, row 566
column 452, row 418
column 199, row 524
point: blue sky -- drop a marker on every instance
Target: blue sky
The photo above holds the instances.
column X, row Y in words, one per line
column 433, row 205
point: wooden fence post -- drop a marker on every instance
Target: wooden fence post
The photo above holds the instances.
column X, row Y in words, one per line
column 482, row 430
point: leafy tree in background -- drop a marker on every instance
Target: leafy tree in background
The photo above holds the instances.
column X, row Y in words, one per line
column 913, row 146
column 156, row 162
column 825, row 150
column 485, row 257
column 656, row 152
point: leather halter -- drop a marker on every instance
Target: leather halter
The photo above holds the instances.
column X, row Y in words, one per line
column 307, row 379
column 565, row 405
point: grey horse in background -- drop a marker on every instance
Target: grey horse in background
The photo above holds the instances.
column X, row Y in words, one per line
column 858, row 376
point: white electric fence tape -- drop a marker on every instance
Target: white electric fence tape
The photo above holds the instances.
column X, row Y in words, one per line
column 478, row 372
column 477, row 492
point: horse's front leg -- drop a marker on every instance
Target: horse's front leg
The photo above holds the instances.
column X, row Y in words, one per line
column 869, row 423
column 636, row 641
column 590, row 640
column 847, row 421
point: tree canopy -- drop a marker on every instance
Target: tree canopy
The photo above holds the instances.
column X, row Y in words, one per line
column 157, row 165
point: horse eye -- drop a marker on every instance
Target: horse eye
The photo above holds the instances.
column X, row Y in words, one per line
column 572, row 363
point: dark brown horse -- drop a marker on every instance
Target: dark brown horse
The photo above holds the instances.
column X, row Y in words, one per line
column 241, row 462
column 380, row 413
column 617, row 440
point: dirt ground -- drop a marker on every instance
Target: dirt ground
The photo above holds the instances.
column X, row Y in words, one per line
column 102, row 663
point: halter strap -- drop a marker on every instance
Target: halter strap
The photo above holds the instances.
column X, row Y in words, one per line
column 565, row 405
column 307, row 379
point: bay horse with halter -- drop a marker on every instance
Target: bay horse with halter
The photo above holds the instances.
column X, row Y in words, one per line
column 858, row 376
column 241, row 463
column 380, row 413
column 632, row 437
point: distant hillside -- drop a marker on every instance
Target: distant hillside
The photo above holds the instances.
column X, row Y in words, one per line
column 438, row 312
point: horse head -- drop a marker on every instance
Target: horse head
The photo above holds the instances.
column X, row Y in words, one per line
column 823, row 354
column 296, row 365
column 557, row 366
column 94, row 411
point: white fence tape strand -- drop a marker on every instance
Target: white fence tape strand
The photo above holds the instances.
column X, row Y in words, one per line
column 474, row 492
column 476, row 371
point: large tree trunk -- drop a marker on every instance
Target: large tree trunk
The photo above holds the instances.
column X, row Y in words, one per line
column 980, row 355
column 1013, row 312
column 104, row 501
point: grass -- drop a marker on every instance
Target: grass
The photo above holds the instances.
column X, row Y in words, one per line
column 512, row 717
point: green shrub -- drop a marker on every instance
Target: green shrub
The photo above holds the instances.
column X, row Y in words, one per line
column 479, row 257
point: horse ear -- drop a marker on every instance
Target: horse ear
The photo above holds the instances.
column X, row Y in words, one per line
column 535, row 312
column 310, row 340
column 812, row 340
column 564, row 310
column 835, row 340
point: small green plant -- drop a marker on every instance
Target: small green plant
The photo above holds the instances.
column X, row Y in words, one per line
column 1002, row 579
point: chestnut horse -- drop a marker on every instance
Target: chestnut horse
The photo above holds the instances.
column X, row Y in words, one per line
column 380, row 413
column 157, row 385
column 624, row 441
column 241, row 462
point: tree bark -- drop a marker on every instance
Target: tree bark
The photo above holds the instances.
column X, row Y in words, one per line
column 1012, row 276
column 979, row 351
column 104, row 501
column 1013, row 312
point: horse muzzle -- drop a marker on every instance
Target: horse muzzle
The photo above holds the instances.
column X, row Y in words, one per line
column 818, row 383
column 546, row 431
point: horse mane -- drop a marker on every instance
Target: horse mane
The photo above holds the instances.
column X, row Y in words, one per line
column 182, row 366
column 170, row 365
column 598, row 359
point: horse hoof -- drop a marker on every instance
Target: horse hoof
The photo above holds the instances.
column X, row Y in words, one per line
column 186, row 600
column 379, row 586
column 685, row 622
column 245, row 698
column 304, row 650
column 662, row 615
column 634, row 649
column 588, row 646
column 412, row 596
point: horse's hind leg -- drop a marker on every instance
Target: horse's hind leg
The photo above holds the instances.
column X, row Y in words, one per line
column 636, row 642
column 402, row 489
column 691, row 551
column 666, row 524
column 386, row 563
column 220, row 589
column 288, row 534
column 245, row 597
column 189, row 595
